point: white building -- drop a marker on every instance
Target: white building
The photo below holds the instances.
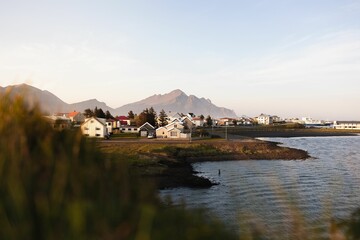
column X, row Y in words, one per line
column 198, row 121
column 94, row 127
column 347, row 124
column 172, row 130
column 264, row 119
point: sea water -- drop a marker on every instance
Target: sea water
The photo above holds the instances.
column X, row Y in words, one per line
column 283, row 199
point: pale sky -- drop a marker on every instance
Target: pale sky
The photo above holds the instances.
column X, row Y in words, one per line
column 288, row 58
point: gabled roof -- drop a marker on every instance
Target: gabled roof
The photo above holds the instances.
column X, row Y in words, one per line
column 186, row 117
column 147, row 124
column 173, row 123
column 122, row 118
column 100, row 120
column 73, row 114
column 173, row 128
column 175, row 120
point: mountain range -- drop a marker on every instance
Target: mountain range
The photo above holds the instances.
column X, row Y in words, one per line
column 172, row 102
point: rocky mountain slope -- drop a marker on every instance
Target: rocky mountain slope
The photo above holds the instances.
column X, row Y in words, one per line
column 175, row 101
column 178, row 101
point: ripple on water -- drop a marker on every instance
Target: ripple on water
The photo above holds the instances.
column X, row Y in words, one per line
column 280, row 196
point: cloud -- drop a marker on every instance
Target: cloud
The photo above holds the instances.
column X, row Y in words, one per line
column 324, row 59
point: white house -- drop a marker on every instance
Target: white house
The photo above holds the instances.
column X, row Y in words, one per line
column 264, row 119
column 198, row 121
column 174, row 116
column 172, row 130
column 94, row 127
column 347, row 125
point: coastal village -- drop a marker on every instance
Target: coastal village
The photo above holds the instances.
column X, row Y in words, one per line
column 176, row 125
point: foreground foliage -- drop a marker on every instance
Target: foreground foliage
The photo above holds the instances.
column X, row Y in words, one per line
column 56, row 185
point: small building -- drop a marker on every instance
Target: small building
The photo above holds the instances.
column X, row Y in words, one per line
column 265, row 119
column 110, row 125
column 172, row 130
column 122, row 121
column 347, row 125
column 226, row 121
column 198, row 121
column 146, row 130
column 174, row 116
column 188, row 123
column 128, row 129
column 94, row 127
column 59, row 122
column 76, row 117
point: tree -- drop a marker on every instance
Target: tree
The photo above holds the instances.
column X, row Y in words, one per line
column 202, row 117
column 147, row 115
column 88, row 113
column 99, row 113
column 108, row 115
column 151, row 117
column 162, row 118
column 209, row 121
column 131, row 115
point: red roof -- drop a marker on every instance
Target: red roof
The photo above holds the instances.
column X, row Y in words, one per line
column 73, row 114
column 122, row 118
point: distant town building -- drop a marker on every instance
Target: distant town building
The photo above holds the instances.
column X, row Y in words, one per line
column 59, row 122
column 94, row 127
column 76, row 117
column 265, row 119
column 198, row 121
column 347, row 124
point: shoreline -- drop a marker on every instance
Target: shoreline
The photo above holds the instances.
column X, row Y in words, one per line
column 274, row 132
column 169, row 164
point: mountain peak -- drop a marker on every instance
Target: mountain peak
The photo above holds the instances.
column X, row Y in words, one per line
column 176, row 92
column 177, row 101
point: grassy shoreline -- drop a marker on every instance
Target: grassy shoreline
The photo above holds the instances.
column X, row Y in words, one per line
column 280, row 131
column 168, row 163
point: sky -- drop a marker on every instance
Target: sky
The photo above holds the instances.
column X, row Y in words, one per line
column 284, row 57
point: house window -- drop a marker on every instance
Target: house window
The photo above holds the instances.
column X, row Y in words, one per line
column 129, row 129
column 135, row 129
column 92, row 121
column 97, row 128
column 173, row 134
column 86, row 128
column 98, row 135
column 123, row 129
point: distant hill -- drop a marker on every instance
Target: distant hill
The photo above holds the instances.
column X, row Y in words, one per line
column 50, row 103
column 175, row 101
column 92, row 103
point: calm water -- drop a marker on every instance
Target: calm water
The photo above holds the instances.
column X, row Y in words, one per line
column 278, row 196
